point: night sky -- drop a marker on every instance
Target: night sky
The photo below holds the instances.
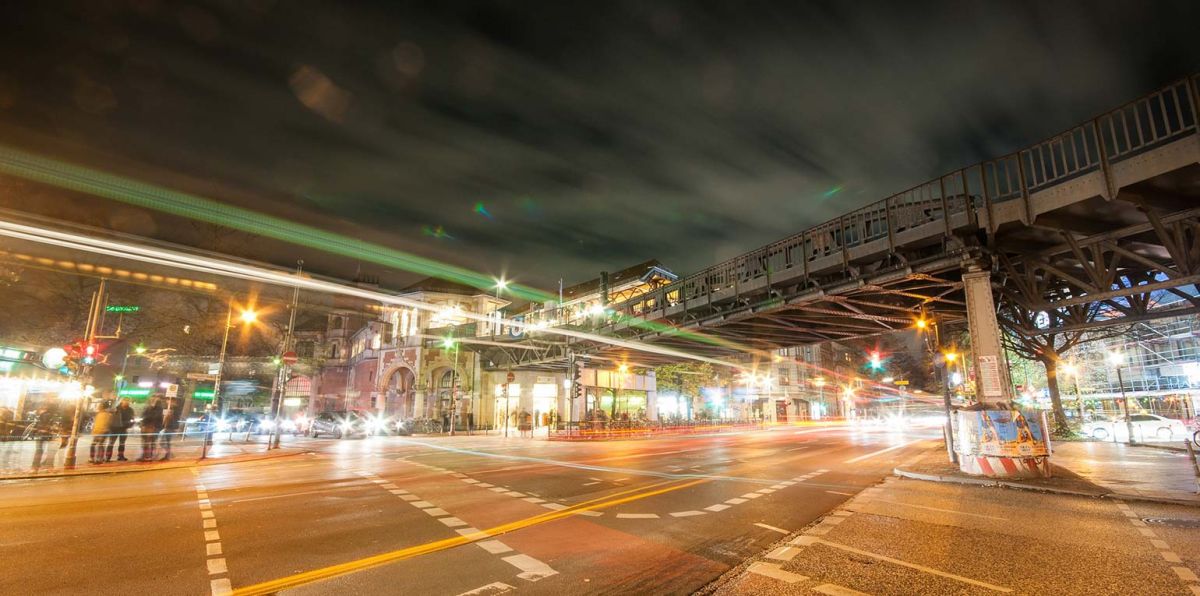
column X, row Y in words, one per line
column 558, row 139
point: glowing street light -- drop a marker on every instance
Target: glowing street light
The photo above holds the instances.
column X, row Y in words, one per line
column 950, row 356
column 249, row 316
column 140, row 349
column 1117, row 359
column 922, row 323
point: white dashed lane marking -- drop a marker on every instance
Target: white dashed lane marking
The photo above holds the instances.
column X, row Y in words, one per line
column 772, row 528
column 1184, row 574
column 215, row 561
column 773, row 571
column 530, row 569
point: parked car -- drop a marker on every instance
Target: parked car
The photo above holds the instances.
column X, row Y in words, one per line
column 337, row 424
column 1146, row 427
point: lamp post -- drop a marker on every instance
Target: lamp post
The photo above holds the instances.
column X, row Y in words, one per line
column 1073, row 371
column 450, row 343
column 820, row 383
column 947, row 358
column 622, row 370
column 1117, row 359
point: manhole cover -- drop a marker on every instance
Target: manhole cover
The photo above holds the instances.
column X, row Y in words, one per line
column 1172, row 522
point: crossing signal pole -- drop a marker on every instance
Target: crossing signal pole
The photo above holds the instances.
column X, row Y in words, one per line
column 88, row 354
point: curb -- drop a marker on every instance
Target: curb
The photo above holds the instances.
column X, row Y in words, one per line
column 175, row 466
column 992, row 482
column 1162, row 447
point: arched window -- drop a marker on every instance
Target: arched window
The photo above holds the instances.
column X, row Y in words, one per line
column 447, row 380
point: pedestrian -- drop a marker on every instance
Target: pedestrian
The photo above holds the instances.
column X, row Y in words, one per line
column 122, row 422
column 101, row 425
column 44, row 420
column 525, row 423
column 8, row 430
column 170, row 427
column 152, row 421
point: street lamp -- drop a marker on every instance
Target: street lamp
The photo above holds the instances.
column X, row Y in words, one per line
column 933, row 343
column 1117, row 359
column 1071, row 370
column 820, row 384
column 449, row 343
column 622, row 370
column 247, row 316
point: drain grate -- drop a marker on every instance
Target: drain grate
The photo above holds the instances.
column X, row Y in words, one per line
column 1173, row 522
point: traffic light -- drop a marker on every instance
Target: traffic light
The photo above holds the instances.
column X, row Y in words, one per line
column 90, row 353
column 80, row 354
column 576, row 376
column 876, row 360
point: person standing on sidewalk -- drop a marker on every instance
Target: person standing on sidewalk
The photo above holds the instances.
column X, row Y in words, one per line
column 44, row 428
column 101, row 425
column 170, row 427
column 152, row 420
column 122, row 422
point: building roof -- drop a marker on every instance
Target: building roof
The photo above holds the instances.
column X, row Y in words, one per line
column 433, row 284
column 642, row 271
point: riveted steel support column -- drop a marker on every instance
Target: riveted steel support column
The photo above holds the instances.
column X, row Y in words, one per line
column 991, row 369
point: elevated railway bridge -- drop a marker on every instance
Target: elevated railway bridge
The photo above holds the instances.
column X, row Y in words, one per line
column 1094, row 225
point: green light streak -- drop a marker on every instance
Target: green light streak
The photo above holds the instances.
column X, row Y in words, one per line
column 72, row 177
column 68, row 176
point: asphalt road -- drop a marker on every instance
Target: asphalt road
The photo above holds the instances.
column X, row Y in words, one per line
column 442, row 515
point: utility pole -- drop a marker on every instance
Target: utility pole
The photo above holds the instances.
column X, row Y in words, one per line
column 284, row 366
column 454, row 392
column 89, row 335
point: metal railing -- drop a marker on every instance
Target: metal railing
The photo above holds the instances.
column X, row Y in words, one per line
column 1144, row 124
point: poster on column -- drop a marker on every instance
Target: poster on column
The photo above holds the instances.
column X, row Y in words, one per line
column 989, row 372
column 1002, row 433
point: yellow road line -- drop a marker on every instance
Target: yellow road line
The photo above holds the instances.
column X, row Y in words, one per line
column 316, row 575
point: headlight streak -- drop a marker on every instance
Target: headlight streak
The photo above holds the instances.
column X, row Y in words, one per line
column 209, row 265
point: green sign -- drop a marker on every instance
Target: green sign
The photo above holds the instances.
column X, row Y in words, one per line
column 122, row 308
column 135, row 392
column 202, row 394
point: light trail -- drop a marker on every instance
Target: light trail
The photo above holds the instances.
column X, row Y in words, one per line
column 65, row 175
column 169, row 258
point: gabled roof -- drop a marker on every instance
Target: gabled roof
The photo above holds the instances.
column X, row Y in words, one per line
column 643, row 271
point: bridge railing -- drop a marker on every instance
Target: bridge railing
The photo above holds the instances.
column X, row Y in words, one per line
column 1158, row 118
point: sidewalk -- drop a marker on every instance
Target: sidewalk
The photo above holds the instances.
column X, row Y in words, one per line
column 907, row 536
column 1146, row 472
column 16, row 457
column 1089, row 468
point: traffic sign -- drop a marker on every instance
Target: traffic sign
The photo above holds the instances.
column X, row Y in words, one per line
column 172, row 390
column 201, row 377
column 901, row 383
column 122, row 308
column 289, row 357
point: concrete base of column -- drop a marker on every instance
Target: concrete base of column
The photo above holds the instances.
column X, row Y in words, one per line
column 1005, row 467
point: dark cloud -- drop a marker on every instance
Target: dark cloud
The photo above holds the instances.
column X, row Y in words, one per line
column 596, row 137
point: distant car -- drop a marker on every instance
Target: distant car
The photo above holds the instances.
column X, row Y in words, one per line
column 1146, row 427
column 337, row 425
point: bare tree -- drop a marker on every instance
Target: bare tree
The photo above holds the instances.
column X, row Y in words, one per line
column 1046, row 346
